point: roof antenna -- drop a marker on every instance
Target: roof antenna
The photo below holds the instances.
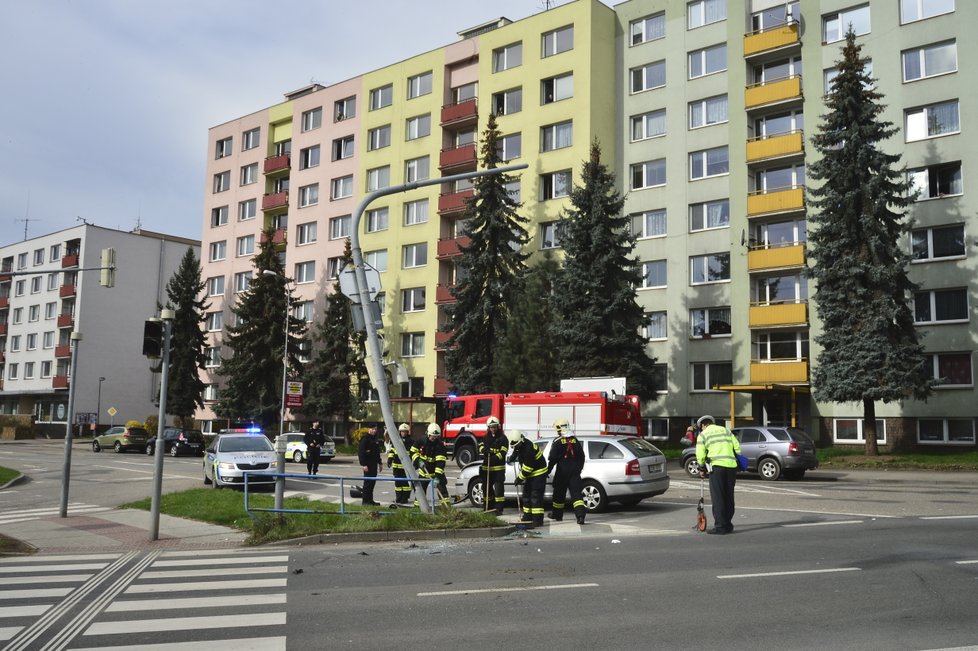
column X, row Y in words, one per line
column 27, row 216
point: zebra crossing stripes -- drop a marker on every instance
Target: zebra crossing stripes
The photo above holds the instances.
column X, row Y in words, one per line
column 26, row 515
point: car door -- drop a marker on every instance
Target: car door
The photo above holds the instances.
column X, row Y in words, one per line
column 752, row 444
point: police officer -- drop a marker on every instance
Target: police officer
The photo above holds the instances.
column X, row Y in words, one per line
column 717, row 446
column 402, row 489
column 531, row 474
column 493, row 448
column 314, row 440
column 429, row 458
column 369, row 455
column 567, row 456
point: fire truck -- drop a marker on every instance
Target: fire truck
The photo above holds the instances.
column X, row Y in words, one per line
column 589, row 412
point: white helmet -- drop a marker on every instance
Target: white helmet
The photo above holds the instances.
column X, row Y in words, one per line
column 404, row 427
column 434, row 431
column 705, row 419
column 561, row 424
column 514, row 436
column 492, row 421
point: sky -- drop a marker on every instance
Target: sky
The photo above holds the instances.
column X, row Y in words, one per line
column 105, row 104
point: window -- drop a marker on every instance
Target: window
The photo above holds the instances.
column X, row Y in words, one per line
column 557, row 88
column 779, row 289
column 412, row 300
column 381, row 97
column 20, row 287
column 334, row 266
column 250, row 139
column 911, row 10
column 303, row 311
column 222, row 182
column 707, row 61
column 419, row 85
column 213, row 354
column 249, row 174
column 34, row 313
column 648, row 28
column 550, row 235
column 29, row 369
column 342, row 187
column 781, row 14
column 312, row 119
column 711, row 162
column 651, row 223
column 510, row 147
column 936, row 181
column 379, row 137
column 648, row 174
column 417, row 127
column 557, row 41
column 415, row 255
column 52, row 282
column 709, row 214
column 45, row 369
column 654, row 274
column 508, row 101
column 850, row 430
column 465, row 137
column 413, row 388
column 215, row 321
column 704, row 12
column 50, row 310
column 930, row 121
column 218, row 250
column 711, row 268
column 930, row 61
column 655, row 325
column 242, row 282
column 305, row 233
column 513, row 190
column 48, row 339
column 556, row 136
column 15, row 343
column 339, row 227
column 38, row 257
column 829, row 75
column 835, row 26
column 22, row 260
column 12, row 372
column 779, row 178
column 506, row 57
column 940, row 305
column 223, row 147
column 54, row 254
column 305, row 272
column 36, row 284
column 247, row 209
column 649, row 125
column 219, row 216
column 555, row 185
column 309, row 157
column 951, row 369
column 376, row 259
column 712, row 374
column 412, row 344
column 946, row 430
column 417, row 169
column 416, row 212
column 779, row 347
column 464, row 93
column 378, row 177
column 344, row 109
column 308, row 195
column 377, row 220
column 652, row 75
column 938, row 242
column 215, row 286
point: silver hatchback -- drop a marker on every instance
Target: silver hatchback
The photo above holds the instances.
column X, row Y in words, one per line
column 771, row 452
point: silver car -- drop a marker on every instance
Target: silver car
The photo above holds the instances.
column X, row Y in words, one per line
column 771, row 452
column 229, row 455
column 623, row 469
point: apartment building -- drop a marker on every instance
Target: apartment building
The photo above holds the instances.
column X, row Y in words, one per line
column 700, row 108
column 50, row 288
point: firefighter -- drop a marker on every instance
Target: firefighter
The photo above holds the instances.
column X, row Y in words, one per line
column 717, row 446
column 429, row 458
column 402, row 489
column 493, row 448
column 567, row 456
column 531, row 474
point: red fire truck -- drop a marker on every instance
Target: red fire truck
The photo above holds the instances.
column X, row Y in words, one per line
column 589, row 412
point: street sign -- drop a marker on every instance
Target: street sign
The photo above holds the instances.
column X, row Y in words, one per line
column 293, row 394
column 111, row 411
column 348, row 283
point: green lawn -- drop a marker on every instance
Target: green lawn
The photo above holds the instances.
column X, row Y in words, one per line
column 6, row 474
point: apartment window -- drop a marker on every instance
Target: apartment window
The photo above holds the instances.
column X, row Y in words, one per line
column 305, row 233
column 29, row 369
column 417, row 169
column 412, row 344
column 249, row 174
column 308, row 195
column 419, row 85
column 12, row 371
column 52, row 282
column 651, row 223
column 378, row 178
column 513, row 190
column 412, row 300
column 779, row 347
column 215, row 321
column 242, row 282
column 339, row 227
column 936, row 181
column 648, row 174
column 835, row 26
column 344, row 109
column 215, row 286
column 556, row 136
column 305, row 272
column 415, row 255
column 648, row 125
column 711, row 162
column 50, row 310
column 15, row 342
column 303, row 311
column 376, row 259
column 655, row 326
column 654, row 274
column 937, row 243
column 648, row 28
column 222, row 181
column 250, row 139
column 219, row 216
column 940, row 305
column 711, row 268
column 911, row 10
column 38, row 257
column 417, row 127
column 708, row 375
column 508, row 101
column 223, row 147
column 707, row 61
column 506, row 57
column 377, row 220
column 555, row 185
column 709, row 214
column 850, row 430
column 946, row 430
column 931, row 121
column 334, row 266
column 557, row 88
column 550, row 235
column 465, row 137
column 210, row 393
column 54, row 254
column 21, row 260
column 342, row 187
column 776, row 290
column 34, row 313
column 779, row 178
column 951, row 369
column 416, row 212
column 312, row 119
column 510, row 146
column 381, row 97
column 647, row 77
column 309, row 157
column 704, row 12
column 379, row 137
column 218, row 250
column 48, row 339
column 464, row 93
column 930, row 61
column 20, row 287
column 782, row 14
column 45, row 369
column 557, row 41
column 213, row 354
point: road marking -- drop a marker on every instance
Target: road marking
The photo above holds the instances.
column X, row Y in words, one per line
column 13, row 517
column 966, row 562
column 764, row 574
column 219, row 552
column 855, row 515
column 53, row 578
column 54, row 568
column 243, row 644
column 121, row 605
column 222, row 561
column 34, row 593
column 238, row 571
column 448, row 593
column 188, row 623
column 7, row 632
column 24, row 611
column 117, row 468
column 823, row 524
column 66, row 557
column 205, row 585
column 948, row 517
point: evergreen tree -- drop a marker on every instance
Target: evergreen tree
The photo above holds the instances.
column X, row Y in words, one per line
column 868, row 347
column 253, row 389
column 188, row 339
column 599, row 323
column 491, row 269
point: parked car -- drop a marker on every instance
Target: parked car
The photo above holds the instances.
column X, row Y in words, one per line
column 177, row 441
column 623, row 469
column 230, row 455
column 771, row 452
column 121, row 438
column 295, row 448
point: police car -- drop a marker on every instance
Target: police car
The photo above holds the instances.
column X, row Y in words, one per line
column 230, row 455
column 295, row 448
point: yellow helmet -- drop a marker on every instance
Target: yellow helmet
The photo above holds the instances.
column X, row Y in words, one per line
column 434, row 431
column 514, row 436
column 561, row 424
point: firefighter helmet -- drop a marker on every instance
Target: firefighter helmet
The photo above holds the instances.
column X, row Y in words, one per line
column 705, row 419
column 434, row 431
column 492, row 421
column 514, row 436
column 404, row 427
column 561, row 424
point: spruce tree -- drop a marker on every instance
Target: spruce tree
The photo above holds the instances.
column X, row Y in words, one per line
column 253, row 373
column 868, row 347
column 491, row 270
column 598, row 325
column 185, row 291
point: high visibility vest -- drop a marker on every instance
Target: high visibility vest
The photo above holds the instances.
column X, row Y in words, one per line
column 717, row 445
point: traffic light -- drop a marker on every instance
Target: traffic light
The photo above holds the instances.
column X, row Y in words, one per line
column 153, row 338
column 107, row 277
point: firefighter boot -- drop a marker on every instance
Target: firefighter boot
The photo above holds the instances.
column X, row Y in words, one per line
column 537, row 520
column 556, row 515
column 526, row 517
column 579, row 512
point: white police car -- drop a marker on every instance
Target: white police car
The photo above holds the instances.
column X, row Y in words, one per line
column 295, row 448
column 229, row 456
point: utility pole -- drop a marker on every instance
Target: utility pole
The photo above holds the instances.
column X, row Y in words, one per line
column 76, row 338
column 159, row 448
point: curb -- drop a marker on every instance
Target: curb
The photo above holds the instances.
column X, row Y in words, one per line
column 396, row 536
column 13, row 481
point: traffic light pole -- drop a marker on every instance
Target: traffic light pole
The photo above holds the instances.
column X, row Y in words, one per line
column 159, row 449
column 76, row 338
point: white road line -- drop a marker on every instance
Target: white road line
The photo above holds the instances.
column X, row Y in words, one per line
column 54, row 578
column 7, row 632
column 186, row 623
column 812, row 512
column 205, row 585
column 823, row 524
column 34, row 593
column 26, row 517
column 118, row 468
column 948, row 517
column 66, row 557
column 54, row 568
column 238, row 571
column 24, row 611
column 448, row 593
column 217, row 552
column 243, row 644
column 222, row 561
column 762, row 574
column 122, row 605
column 966, row 562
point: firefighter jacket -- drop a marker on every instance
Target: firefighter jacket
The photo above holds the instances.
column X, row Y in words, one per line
column 530, row 458
column 430, row 457
column 567, row 455
column 493, row 448
column 717, row 445
column 393, row 460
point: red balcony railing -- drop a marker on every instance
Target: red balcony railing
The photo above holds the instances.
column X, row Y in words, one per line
column 450, row 202
column 3, row 329
column 59, row 382
column 66, row 320
column 442, row 338
column 69, row 260
column 277, row 163
column 278, row 236
column 5, row 302
column 464, row 156
column 62, row 351
column 66, row 291
column 443, row 294
column 442, row 386
column 449, row 247
column 461, row 112
column 274, row 200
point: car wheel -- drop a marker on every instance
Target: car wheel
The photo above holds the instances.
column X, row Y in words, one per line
column 794, row 474
column 174, row 451
column 464, row 455
column 297, row 456
column 117, row 447
column 475, row 493
column 207, row 480
column 96, row 447
column 691, row 467
column 769, row 469
column 595, row 499
column 149, row 450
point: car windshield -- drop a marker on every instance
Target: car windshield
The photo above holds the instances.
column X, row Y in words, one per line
column 640, row 447
column 245, row 444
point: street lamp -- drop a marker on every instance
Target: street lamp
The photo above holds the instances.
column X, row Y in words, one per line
column 98, row 403
column 280, row 452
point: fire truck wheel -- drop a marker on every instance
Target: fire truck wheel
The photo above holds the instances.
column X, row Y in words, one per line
column 464, row 455
column 475, row 492
column 595, row 499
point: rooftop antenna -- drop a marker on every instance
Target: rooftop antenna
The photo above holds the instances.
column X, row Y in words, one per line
column 27, row 216
column 82, row 220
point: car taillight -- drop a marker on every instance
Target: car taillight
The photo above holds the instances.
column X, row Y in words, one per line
column 633, row 468
column 793, row 448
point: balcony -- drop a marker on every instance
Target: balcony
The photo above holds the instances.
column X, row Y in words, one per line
column 278, row 236
column 460, row 157
column 778, row 200
column 776, row 257
column 69, row 260
column 773, row 92
column 768, row 40
column 62, row 351
column 765, row 148
column 280, row 163
column 449, row 247
column 460, row 114
column 67, row 320
column 66, row 291
column 5, row 302
column 779, row 372
column 443, row 294
column 3, row 357
column 59, row 382
column 780, row 314
column 4, row 278
column 3, row 329
column 452, row 202
column 275, row 200
column 442, row 386
column 442, row 338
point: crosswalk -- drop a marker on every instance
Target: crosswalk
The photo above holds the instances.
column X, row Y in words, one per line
column 26, row 515
column 213, row 599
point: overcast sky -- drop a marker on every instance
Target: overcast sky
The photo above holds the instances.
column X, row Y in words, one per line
column 105, row 104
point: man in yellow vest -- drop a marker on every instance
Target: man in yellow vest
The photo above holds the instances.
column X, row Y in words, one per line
column 717, row 446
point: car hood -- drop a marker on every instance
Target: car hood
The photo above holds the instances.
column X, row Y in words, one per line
column 247, row 457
